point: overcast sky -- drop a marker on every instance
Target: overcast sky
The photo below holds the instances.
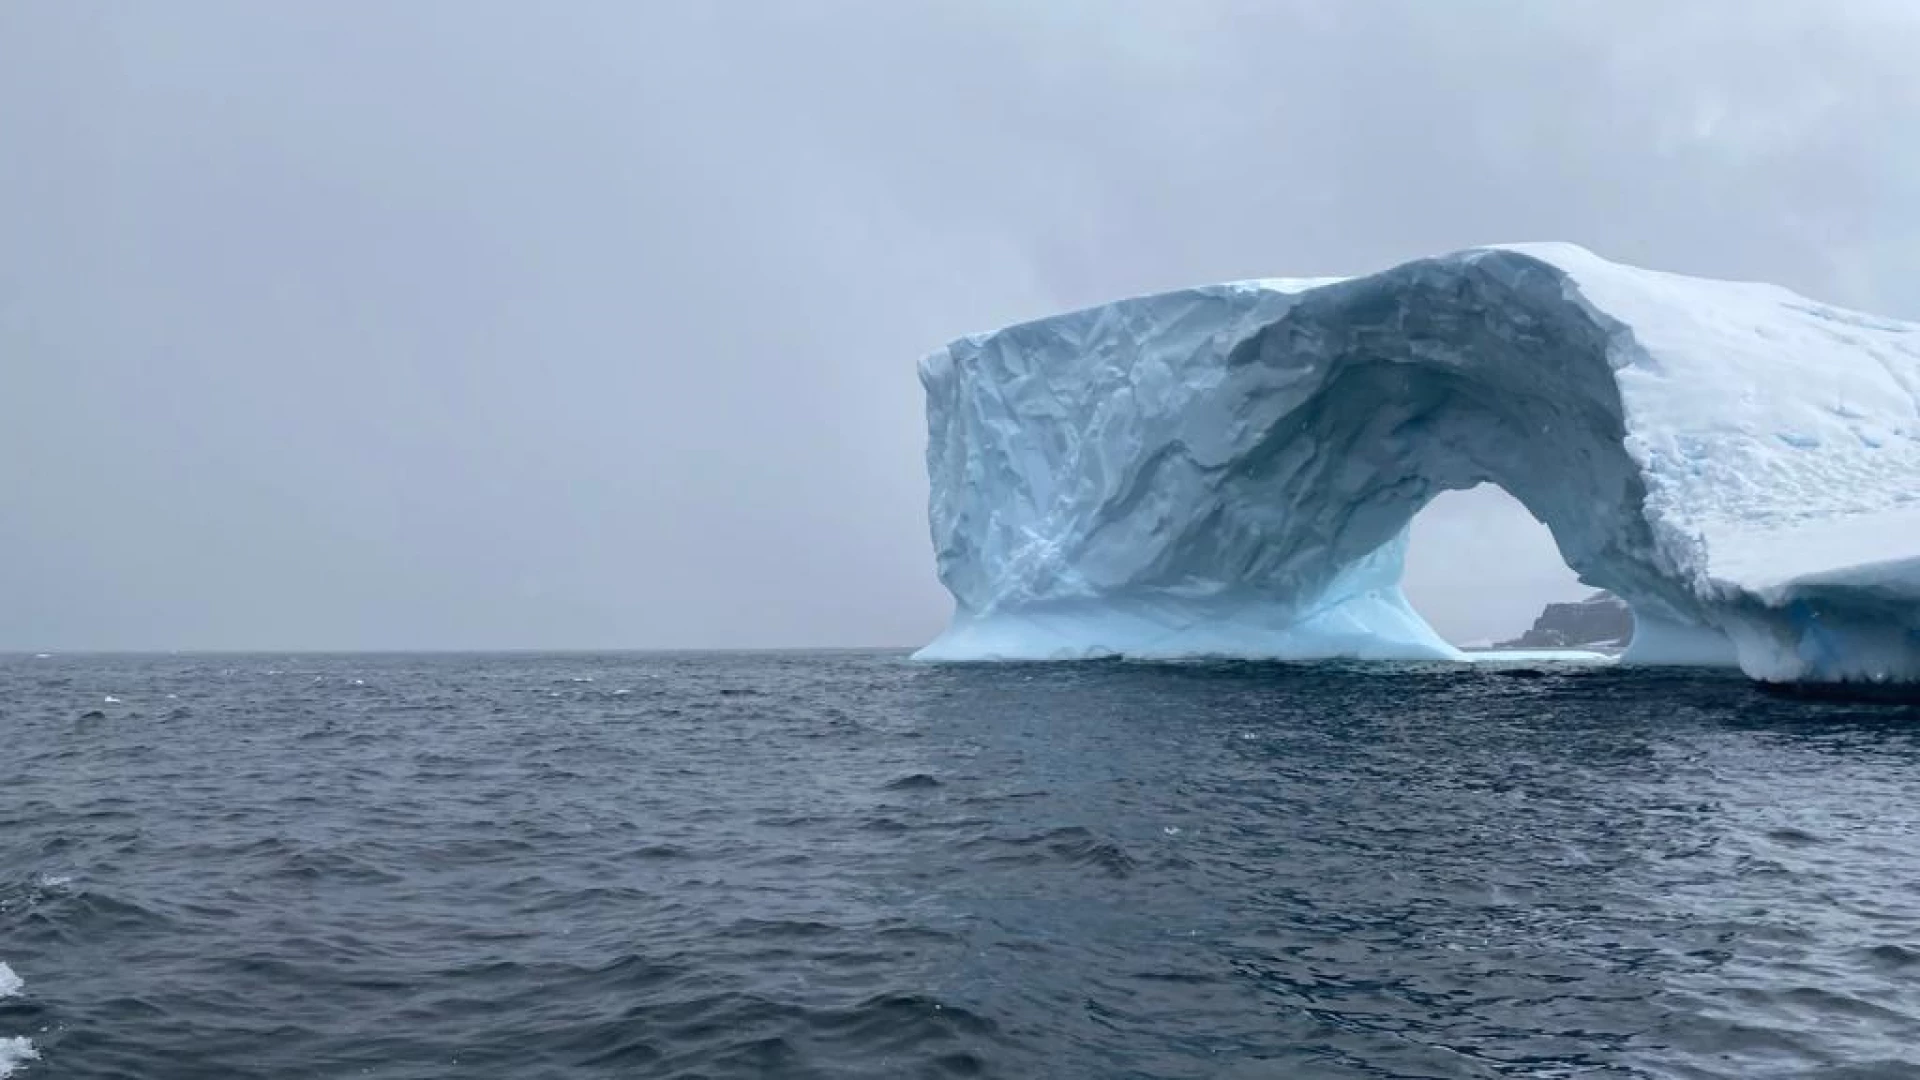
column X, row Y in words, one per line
column 463, row 324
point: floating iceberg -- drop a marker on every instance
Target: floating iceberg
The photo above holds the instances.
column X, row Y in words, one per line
column 1230, row 470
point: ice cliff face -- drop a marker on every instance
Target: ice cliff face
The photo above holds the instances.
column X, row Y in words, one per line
column 1231, row 470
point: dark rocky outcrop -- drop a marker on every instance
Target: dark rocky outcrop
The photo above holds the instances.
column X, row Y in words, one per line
column 1600, row 622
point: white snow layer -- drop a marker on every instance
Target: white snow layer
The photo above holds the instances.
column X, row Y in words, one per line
column 1230, row 470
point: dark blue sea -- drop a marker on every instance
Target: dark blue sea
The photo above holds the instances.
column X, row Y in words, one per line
column 849, row 865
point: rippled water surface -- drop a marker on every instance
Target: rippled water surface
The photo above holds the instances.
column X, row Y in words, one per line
column 847, row 865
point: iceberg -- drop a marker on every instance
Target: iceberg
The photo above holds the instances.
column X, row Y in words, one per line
column 1230, row 470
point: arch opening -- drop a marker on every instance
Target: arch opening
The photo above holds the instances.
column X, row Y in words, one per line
column 1481, row 570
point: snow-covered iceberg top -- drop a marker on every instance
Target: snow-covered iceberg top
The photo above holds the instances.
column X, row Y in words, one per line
column 1230, row 470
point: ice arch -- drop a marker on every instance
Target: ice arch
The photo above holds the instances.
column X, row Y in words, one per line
column 1231, row 470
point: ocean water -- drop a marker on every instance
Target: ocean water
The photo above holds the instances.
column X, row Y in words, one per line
column 848, row 865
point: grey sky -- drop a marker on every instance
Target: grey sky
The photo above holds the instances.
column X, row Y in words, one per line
column 463, row 324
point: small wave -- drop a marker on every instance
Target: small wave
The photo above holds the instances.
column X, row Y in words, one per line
column 31, row 893
column 1893, row 957
column 10, row 983
column 1073, row 845
column 1818, row 1001
column 916, row 782
column 1791, row 837
column 780, row 928
column 903, row 1021
column 15, row 1052
column 77, row 914
column 1103, row 855
column 1008, row 796
column 792, row 821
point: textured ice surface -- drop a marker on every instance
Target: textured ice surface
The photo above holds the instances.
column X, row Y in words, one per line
column 1230, row 470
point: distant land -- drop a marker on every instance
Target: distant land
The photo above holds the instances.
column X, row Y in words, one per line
column 1601, row 622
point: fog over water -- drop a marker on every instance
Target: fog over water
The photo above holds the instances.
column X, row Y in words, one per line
column 472, row 324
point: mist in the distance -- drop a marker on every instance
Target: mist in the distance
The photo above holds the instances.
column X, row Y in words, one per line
column 476, row 325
